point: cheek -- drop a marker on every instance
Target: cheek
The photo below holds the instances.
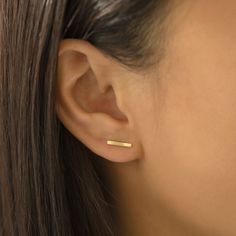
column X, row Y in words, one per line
column 190, row 167
column 190, row 157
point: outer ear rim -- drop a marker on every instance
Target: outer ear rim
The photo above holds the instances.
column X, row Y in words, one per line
column 80, row 45
column 90, row 51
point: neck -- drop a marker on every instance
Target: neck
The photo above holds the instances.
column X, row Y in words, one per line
column 137, row 212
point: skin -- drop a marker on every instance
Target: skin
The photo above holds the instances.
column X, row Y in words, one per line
column 179, row 178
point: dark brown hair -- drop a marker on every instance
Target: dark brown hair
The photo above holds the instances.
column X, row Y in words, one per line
column 50, row 183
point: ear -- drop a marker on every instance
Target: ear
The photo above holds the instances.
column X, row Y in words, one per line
column 88, row 103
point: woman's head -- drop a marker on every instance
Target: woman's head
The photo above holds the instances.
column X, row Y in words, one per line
column 178, row 115
column 158, row 74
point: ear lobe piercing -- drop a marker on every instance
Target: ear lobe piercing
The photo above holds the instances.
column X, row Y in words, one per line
column 119, row 144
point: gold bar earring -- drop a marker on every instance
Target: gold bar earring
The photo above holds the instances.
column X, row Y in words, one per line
column 119, row 144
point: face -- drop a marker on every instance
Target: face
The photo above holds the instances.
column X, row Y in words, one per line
column 188, row 118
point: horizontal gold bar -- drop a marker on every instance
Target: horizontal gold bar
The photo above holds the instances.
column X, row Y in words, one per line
column 120, row 144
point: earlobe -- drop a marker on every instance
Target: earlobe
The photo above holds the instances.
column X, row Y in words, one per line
column 86, row 102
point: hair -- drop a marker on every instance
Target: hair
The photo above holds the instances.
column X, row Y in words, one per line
column 50, row 183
